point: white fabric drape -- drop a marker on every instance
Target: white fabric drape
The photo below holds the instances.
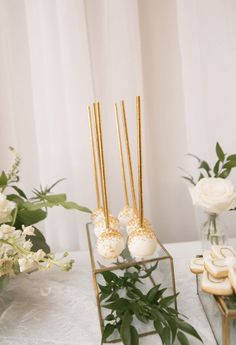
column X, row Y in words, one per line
column 58, row 56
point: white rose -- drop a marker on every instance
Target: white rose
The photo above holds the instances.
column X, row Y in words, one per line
column 214, row 195
column 6, row 208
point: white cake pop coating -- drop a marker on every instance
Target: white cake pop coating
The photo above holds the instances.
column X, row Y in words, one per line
column 125, row 215
column 133, row 224
column 110, row 244
column 100, row 227
column 98, row 215
column 142, row 242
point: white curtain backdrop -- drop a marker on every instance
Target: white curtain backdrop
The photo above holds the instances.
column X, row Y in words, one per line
column 58, row 56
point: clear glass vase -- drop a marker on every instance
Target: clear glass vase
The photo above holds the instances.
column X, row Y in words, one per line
column 213, row 231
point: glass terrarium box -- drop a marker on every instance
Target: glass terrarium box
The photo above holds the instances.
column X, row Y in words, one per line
column 221, row 314
column 154, row 270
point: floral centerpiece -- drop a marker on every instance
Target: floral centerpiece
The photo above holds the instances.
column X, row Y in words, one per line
column 214, row 193
column 23, row 247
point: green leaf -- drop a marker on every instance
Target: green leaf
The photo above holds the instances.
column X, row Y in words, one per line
column 125, row 331
column 194, row 156
column 216, row 168
column 156, row 313
column 152, row 293
column 166, row 301
column 70, row 205
column 54, row 184
column 231, row 158
column 220, row 153
column 134, row 336
column 110, row 317
column 201, row 176
column 17, row 199
column 121, row 304
column 3, row 179
column 13, row 215
column 113, row 297
column 149, row 270
column 138, row 292
column 160, row 293
column 109, row 276
column 55, row 199
column 182, row 338
column 33, row 206
column 105, row 288
column 172, row 311
column 39, row 241
column 167, row 335
column 108, row 330
column 19, row 191
column 173, row 327
column 225, row 173
column 187, row 328
column 229, row 165
column 27, row 217
column 204, row 165
column 159, row 328
column 190, row 179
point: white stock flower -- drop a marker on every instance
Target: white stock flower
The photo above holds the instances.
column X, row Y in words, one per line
column 39, row 255
column 28, row 230
column 27, row 245
column 6, row 208
column 25, row 263
column 6, row 231
column 214, row 195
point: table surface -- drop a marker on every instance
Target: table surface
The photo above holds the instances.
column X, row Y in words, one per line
column 58, row 308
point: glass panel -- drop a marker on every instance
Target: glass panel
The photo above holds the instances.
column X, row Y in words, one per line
column 162, row 274
column 212, row 312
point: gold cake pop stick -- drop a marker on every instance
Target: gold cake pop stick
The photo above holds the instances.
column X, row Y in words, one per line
column 103, row 172
column 94, row 157
column 95, row 111
column 129, row 157
column 121, row 156
column 140, row 170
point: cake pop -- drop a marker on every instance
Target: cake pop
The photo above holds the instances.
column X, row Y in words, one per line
column 142, row 242
column 110, row 244
column 100, row 226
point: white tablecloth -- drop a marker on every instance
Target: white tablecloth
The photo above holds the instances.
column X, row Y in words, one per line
column 58, row 308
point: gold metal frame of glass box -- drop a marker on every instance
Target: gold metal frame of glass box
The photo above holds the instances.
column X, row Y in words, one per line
column 127, row 264
column 226, row 315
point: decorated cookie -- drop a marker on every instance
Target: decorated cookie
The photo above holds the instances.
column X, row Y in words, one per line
column 197, row 265
column 222, row 252
column 216, row 267
column 220, row 286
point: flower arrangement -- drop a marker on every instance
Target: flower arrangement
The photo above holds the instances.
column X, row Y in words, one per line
column 22, row 245
column 213, row 191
